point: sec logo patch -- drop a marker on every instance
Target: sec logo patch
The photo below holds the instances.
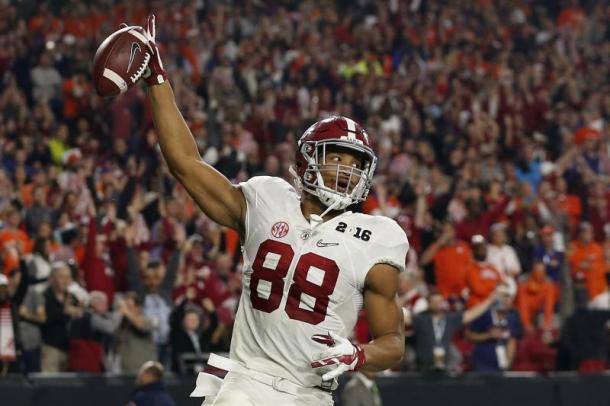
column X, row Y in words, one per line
column 280, row 229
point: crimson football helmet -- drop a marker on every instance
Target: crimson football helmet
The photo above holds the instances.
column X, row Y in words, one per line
column 351, row 184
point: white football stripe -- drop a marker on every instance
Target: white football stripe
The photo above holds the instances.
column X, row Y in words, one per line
column 116, row 79
column 351, row 128
column 139, row 36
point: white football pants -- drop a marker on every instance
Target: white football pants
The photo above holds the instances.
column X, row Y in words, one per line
column 244, row 387
column 241, row 390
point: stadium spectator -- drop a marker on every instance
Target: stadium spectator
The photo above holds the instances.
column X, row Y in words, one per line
column 451, row 258
column 150, row 390
column 495, row 335
column 588, row 264
column 46, row 79
column 8, row 349
column 481, row 278
column 434, row 330
column 14, row 242
column 61, row 308
column 547, row 253
column 479, row 218
column 536, row 296
column 154, row 285
column 38, row 212
column 87, row 334
column 39, row 261
column 134, row 337
column 191, row 337
column 32, row 316
column 500, row 254
column 97, row 266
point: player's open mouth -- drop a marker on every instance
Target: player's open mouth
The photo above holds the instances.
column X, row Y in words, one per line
column 342, row 185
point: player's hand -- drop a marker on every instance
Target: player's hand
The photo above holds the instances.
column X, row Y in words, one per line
column 155, row 73
column 340, row 357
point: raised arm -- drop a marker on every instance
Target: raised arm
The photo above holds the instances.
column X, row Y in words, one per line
column 220, row 200
column 473, row 313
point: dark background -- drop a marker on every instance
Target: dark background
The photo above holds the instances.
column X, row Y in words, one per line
column 399, row 389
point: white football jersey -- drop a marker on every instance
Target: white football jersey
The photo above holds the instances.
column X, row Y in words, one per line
column 300, row 280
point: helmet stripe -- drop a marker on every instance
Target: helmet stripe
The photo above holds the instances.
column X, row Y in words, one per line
column 351, row 129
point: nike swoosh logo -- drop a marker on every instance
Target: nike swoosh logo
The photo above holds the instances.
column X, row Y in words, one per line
column 134, row 47
column 322, row 244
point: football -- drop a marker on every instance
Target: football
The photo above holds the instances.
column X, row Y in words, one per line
column 120, row 61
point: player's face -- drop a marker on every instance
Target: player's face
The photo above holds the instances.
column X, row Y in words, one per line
column 336, row 169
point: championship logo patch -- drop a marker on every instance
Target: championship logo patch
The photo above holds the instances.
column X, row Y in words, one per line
column 280, row 229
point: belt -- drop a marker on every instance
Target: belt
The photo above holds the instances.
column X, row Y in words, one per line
column 276, row 382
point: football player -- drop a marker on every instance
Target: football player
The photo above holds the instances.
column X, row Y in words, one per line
column 309, row 265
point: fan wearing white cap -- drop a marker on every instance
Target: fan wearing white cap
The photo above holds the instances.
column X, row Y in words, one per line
column 482, row 279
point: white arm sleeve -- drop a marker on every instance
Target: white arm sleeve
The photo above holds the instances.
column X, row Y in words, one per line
column 389, row 245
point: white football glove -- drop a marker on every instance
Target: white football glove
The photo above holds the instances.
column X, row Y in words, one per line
column 340, row 357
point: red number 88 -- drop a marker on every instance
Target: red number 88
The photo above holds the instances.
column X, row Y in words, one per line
column 275, row 276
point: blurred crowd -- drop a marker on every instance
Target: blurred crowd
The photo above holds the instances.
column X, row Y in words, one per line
column 489, row 118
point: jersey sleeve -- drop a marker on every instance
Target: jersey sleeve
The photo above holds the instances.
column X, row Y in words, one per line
column 389, row 245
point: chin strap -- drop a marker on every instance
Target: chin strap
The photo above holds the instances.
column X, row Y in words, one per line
column 314, row 217
column 315, row 220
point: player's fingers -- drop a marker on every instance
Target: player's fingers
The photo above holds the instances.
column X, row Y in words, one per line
column 325, row 361
column 149, row 28
column 320, row 364
column 316, row 364
column 336, row 337
column 154, row 27
column 323, row 339
column 330, row 352
column 330, row 375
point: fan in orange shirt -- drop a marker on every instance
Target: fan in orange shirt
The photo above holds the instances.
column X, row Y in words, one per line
column 451, row 258
column 14, row 242
column 481, row 278
column 568, row 204
column 588, row 264
column 536, row 294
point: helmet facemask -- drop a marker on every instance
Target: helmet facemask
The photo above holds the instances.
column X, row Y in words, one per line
column 351, row 185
